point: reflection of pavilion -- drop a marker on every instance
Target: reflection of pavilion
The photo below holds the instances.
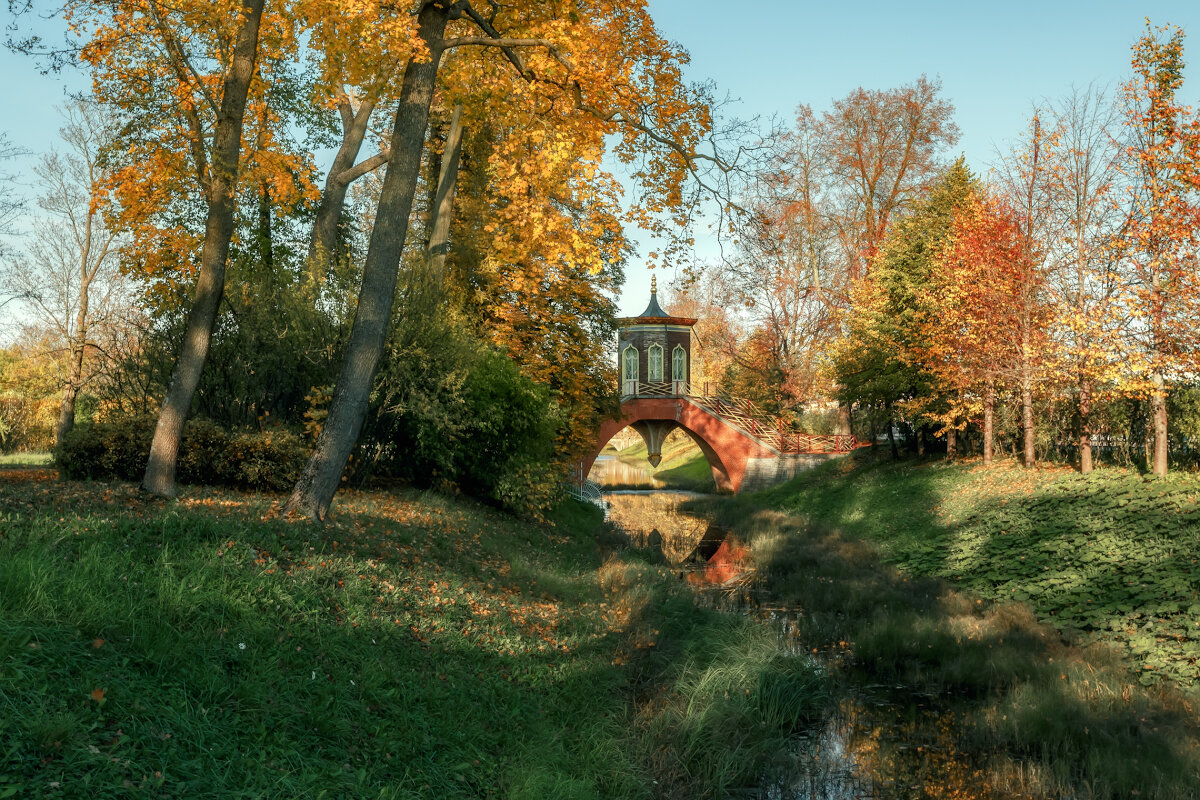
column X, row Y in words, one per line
column 744, row 446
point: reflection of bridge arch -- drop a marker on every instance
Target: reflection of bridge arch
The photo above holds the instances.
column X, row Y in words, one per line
column 727, row 448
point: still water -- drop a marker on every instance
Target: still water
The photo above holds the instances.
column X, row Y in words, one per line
column 611, row 471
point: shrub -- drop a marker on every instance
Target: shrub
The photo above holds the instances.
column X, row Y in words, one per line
column 268, row 460
column 450, row 411
column 106, row 449
column 203, row 454
column 26, row 424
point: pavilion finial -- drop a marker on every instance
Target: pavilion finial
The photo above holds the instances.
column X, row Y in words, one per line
column 653, row 284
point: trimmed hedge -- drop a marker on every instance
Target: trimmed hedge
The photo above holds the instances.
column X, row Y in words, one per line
column 209, row 454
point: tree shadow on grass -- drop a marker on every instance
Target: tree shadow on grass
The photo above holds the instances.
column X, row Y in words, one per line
column 1019, row 709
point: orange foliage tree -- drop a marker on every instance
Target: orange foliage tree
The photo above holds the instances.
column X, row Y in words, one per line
column 537, row 258
column 821, row 214
column 189, row 83
column 1161, row 288
column 1029, row 178
column 1083, row 278
column 989, row 322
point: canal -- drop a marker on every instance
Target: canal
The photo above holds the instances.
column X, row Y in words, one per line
column 880, row 740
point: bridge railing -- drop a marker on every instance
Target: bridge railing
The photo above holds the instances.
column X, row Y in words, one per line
column 745, row 415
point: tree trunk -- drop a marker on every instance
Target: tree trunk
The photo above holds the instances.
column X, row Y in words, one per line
column 1029, row 455
column 443, row 202
column 951, row 444
column 1158, row 410
column 66, row 412
column 989, row 408
column 322, row 244
column 892, row 438
column 1085, row 425
column 315, row 489
column 843, row 427
column 921, row 441
column 266, row 236
column 218, row 230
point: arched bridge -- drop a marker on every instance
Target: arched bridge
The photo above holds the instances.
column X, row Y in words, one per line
column 746, row 448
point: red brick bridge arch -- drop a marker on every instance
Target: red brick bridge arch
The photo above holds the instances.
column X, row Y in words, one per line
column 729, row 449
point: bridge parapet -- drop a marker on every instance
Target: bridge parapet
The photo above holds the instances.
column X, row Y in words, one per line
column 744, row 415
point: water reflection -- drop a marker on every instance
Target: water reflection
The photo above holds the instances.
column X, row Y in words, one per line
column 656, row 520
column 611, row 471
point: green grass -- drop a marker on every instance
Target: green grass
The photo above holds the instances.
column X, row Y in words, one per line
column 1110, row 557
column 415, row 646
column 1048, row 619
column 11, row 460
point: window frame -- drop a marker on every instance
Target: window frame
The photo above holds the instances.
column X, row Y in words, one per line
column 654, row 353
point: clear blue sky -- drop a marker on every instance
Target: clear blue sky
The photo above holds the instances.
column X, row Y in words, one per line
column 994, row 61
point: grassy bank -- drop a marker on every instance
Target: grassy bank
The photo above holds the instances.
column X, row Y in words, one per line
column 414, row 647
column 1110, row 557
column 1046, row 622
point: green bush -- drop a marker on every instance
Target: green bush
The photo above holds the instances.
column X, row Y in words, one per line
column 269, row 460
column 451, row 411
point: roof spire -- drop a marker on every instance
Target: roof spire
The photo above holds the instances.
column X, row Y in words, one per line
column 654, row 310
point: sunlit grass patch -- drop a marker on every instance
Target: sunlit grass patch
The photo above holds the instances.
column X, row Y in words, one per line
column 32, row 459
column 412, row 646
column 409, row 648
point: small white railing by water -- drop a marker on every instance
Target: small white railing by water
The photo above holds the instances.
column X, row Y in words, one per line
column 587, row 491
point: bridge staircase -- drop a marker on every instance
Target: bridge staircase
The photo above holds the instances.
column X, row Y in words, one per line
column 769, row 430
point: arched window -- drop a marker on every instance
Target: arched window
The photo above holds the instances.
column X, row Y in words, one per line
column 678, row 364
column 629, row 364
column 654, row 363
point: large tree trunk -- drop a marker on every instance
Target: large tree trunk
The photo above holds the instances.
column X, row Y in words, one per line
column 315, row 489
column 951, row 444
column 843, row 426
column 218, row 230
column 989, row 420
column 66, row 412
column 1158, row 412
column 1085, row 425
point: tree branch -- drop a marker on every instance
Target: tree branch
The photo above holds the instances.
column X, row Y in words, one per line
column 348, row 176
column 498, row 41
